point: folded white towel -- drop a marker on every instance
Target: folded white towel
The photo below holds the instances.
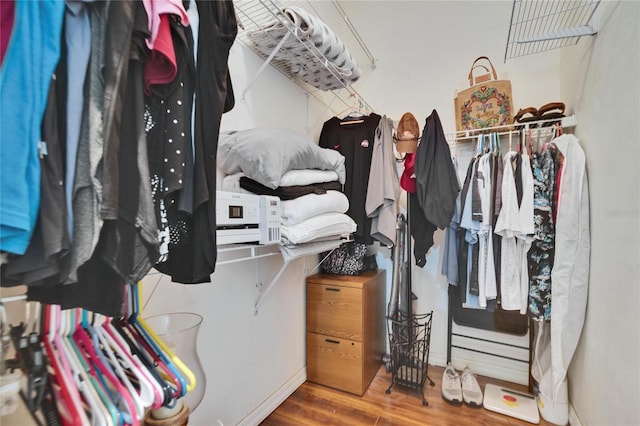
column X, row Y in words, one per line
column 306, row 206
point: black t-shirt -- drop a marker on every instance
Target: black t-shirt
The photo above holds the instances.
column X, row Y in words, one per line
column 355, row 142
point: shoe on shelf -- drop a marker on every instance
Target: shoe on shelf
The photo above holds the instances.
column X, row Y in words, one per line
column 525, row 115
column 451, row 386
column 471, row 391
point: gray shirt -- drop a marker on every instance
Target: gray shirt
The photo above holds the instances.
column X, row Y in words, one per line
column 78, row 41
column 87, row 184
column 384, row 186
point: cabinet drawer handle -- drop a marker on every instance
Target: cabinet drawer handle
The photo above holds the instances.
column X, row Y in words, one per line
column 332, row 341
column 332, row 289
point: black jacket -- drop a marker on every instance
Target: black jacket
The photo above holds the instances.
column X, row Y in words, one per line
column 436, row 186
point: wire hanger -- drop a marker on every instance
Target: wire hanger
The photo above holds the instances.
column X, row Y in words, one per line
column 354, row 113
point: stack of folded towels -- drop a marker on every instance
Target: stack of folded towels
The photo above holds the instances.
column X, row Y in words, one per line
column 287, row 164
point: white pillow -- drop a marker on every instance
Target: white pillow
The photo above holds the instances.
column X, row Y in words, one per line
column 307, row 177
column 303, row 207
column 318, row 227
column 265, row 154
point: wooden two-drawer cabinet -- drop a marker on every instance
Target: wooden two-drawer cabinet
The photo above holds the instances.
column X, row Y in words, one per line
column 346, row 336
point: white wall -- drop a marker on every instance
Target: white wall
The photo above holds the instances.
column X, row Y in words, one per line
column 601, row 82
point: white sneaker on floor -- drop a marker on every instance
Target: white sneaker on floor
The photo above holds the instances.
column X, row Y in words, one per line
column 451, row 386
column 471, row 391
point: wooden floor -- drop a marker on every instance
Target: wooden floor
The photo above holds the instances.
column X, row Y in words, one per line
column 313, row 404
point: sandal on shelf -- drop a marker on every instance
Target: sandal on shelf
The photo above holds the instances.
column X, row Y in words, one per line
column 551, row 111
column 526, row 115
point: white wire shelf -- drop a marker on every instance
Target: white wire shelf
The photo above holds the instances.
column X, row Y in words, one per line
column 540, row 25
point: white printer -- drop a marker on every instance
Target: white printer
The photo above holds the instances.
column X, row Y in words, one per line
column 247, row 218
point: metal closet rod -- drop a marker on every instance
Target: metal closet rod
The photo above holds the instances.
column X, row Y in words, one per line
column 16, row 298
column 565, row 122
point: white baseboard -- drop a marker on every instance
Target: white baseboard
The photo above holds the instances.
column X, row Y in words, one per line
column 573, row 416
column 270, row 404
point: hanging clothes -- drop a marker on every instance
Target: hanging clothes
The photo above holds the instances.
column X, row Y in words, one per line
column 50, row 240
column 194, row 261
column 118, row 46
column 437, row 182
column 87, row 186
column 25, row 76
column 77, row 37
column 116, row 237
column 157, row 11
column 381, row 203
column 486, row 267
column 354, row 139
column 436, row 185
column 7, row 19
column 476, row 269
column 541, row 253
column 450, row 267
column 470, row 226
column 570, row 274
column 168, row 108
column 497, row 206
column 127, row 244
column 131, row 237
column 463, row 243
column 515, row 225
